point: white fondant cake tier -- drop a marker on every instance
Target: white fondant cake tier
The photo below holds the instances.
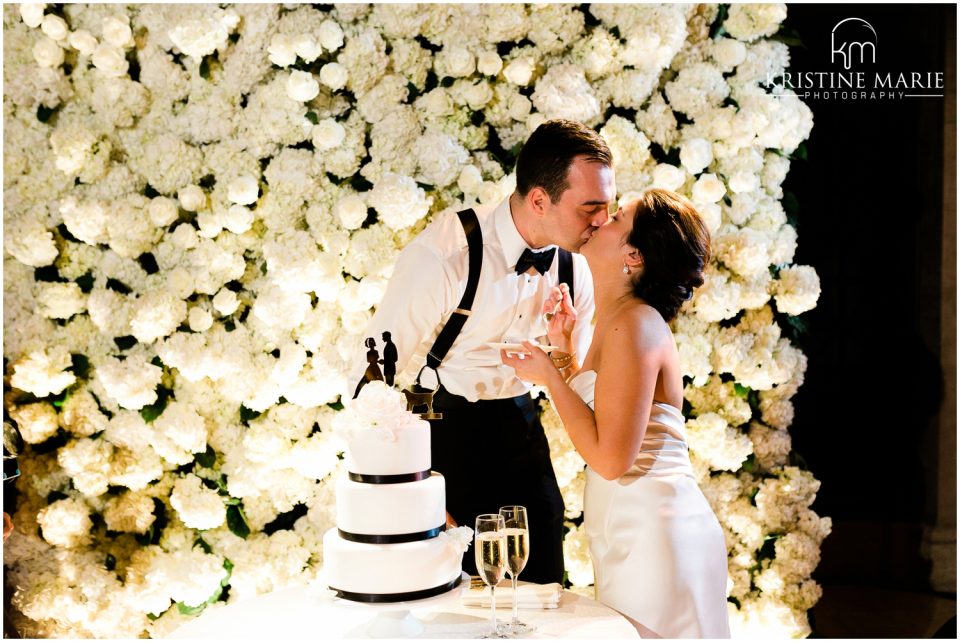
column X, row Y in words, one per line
column 391, row 509
column 389, row 568
column 409, row 452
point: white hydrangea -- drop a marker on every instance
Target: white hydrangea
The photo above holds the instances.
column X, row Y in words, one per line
column 399, row 201
column 36, row 422
column 796, row 289
column 29, row 241
column 200, row 35
column 696, row 155
column 66, row 523
column 60, row 300
column 454, row 61
column 198, row 506
column 155, row 315
column 178, row 433
column 439, row 158
column 576, row 555
column 43, row 372
column 563, row 92
column 131, row 512
column 714, row 441
column 748, row 22
column 131, row 383
column 697, row 89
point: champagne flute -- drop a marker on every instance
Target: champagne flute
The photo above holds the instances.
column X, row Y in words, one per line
column 517, row 531
column 491, row 556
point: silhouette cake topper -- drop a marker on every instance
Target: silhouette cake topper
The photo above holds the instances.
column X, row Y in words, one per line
column 418, row 396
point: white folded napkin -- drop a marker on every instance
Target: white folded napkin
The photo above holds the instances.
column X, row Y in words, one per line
column 529, row 596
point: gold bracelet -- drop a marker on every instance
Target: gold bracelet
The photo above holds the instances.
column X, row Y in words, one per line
column 562, row 360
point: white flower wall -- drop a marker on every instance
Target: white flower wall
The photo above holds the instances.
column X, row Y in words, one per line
column 203, row 203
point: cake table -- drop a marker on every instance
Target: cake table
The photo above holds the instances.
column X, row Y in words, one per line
column 302, row 612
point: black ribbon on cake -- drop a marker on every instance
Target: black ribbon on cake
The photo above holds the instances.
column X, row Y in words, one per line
column 399, row 538
column 383, row 598
column 389, row 479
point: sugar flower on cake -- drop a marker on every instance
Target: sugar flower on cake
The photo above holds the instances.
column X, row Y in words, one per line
column 378, row 411
column 458, row 538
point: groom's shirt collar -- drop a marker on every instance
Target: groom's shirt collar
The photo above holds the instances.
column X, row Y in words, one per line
column 511, row 242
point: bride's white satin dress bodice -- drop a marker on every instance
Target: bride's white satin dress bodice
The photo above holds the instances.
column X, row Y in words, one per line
column 658, row 552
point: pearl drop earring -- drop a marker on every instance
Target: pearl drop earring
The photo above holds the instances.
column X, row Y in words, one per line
column 626, row 269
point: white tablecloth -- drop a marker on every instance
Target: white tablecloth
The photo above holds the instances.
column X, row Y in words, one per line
column 299, row 613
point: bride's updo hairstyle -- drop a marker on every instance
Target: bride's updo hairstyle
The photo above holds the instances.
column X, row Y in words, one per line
column 675, row 245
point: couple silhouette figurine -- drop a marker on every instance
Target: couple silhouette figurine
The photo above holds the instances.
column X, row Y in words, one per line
column 418, row 396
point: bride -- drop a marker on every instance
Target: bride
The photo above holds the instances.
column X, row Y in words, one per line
column 658, row 551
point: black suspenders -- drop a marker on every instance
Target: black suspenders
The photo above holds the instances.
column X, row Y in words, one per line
column 450, row 331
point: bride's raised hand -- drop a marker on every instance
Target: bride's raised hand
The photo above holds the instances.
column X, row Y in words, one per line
column 561, row 317
column 535, row 366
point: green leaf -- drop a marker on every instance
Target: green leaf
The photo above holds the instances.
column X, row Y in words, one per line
column 312, row 117
column 237, row 521
column 205, row 68
column 263, row 267
column 741, row 390
column 336, row 405
column 749, row 465
column 151, row 412
column 247, row 415
column 156, row 362
column 153, row 616
column 716, row 29
column 80, row 365
column 203, row 545
column 800, row 153
column 190, row 610
column 207, row 458
column 788, row 36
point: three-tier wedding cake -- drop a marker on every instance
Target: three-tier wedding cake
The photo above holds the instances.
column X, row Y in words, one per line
column 390, row 543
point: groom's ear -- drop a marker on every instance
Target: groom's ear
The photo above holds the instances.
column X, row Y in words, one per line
column 537, row 200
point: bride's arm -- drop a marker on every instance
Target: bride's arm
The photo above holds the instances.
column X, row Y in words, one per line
column 609, row 438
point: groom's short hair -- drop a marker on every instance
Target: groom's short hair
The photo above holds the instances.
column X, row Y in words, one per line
column 547, row 155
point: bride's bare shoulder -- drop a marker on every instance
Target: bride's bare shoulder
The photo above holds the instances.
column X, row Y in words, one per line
column 639, row 323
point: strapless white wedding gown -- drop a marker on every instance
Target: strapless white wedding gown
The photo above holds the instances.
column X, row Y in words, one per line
column 658, row 552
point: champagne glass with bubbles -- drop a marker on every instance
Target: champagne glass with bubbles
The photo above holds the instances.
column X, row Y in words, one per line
column 517, row 538
column 491, row 556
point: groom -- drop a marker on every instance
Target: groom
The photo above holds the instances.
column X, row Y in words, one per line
column 453, row 293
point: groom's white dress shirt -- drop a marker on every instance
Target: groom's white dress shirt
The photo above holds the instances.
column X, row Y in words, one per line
column 426, row 287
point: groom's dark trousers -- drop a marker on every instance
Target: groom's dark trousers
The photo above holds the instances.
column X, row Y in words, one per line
column 492, row 454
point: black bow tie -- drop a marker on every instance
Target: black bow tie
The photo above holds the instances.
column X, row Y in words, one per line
column 540, row 261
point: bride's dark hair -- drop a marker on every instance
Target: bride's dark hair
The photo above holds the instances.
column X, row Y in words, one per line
column 675, row 245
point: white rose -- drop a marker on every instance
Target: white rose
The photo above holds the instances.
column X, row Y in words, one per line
column 163, row 211
column 209, row 224
column 330, row 35
column 192, row 198
column 54, row 27
column 110, row 60
column 519, row 107
column 302, row 87
column 328, row 134
column 519, row 71
column 470, row 180
column 489, row 63
column 83, row 41
column 351, row 211
column 226, row 302
column 744, row 182
column 667, row 176
column 333, row 75
column 478, row 95
column 457, row 61
column 199, row 319
column 307, row 48
column 116, row 31
column 47, row 53
column 32, row 13
column 729, row 52
column 437, row 102
column 238, row 219
column 280, row 50
column 243, row 190
column 708, row 189
column 696, row 155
